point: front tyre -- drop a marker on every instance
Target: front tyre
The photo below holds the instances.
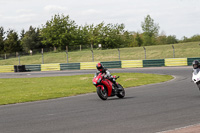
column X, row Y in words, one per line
column 121, row 93
column 103, row 94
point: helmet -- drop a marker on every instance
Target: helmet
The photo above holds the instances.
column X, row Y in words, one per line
column 99, row 67
column 195, row 64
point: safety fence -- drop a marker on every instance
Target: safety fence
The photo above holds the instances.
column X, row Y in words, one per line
column 92, row 65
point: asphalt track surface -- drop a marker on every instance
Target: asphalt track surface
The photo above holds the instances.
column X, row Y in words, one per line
column 145, row 109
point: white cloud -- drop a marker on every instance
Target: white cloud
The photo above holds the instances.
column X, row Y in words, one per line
column 91, row 12
column 22, row 11
column 23, row 18
column 175, row 17
column 54, row 8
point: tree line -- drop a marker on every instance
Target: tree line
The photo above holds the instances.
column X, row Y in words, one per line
column 61, row 31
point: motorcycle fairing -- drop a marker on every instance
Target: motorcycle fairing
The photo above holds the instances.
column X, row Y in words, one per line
column 108, row 84
column 101, row 87
column 196, row 75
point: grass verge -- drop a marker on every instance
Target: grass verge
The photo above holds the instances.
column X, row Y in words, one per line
column 33, row 89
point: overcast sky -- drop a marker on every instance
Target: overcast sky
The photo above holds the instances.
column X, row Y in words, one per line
column 175, row 17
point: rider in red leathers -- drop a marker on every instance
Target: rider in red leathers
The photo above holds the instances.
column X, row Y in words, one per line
column 103, row 70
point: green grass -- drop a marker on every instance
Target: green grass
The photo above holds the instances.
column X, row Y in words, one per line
column 182, row 50
column 33, row 89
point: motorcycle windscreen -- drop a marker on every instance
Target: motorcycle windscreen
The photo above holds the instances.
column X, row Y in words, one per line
column 196, row 71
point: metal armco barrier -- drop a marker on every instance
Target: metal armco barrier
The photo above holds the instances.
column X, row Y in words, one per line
column 50, row 67
column 190, row 60
column 154, row 63
column 7, row 69
column 33, row 68
column 70, row 66
column 131, row 63
column 112, row 64
column 176, row 62
column 107, row 64
column 88, row 65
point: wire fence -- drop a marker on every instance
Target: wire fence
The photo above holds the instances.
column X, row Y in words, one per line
column 7, row 55
column 73, row 54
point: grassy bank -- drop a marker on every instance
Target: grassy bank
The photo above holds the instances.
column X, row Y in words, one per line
column 182, row 50
column 33, row 89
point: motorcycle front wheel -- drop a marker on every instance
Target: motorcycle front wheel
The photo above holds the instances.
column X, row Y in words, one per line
column 121, row 93
column 103, row 94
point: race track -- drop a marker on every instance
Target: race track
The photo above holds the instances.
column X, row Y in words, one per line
column 145, row 109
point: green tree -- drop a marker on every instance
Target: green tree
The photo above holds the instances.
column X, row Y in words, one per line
column 2, row 39
column 128, row 39
column 12, row 43
column 81, row 36
column 195, row 38
column 59, row 32
column 192, row 39
column 138, row 40
column 150, row 30
column 110, row 35
column 22, row 34
column 114, row 36
column 162, row 39
column 31, row 39
column 95, row 34
column 171, row 39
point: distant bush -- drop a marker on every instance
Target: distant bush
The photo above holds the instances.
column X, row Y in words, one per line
column 194, row 38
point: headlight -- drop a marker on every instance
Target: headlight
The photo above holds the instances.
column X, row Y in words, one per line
column 99, row 80
column 94, row 83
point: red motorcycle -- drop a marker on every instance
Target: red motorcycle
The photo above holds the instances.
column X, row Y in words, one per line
column 105, row 88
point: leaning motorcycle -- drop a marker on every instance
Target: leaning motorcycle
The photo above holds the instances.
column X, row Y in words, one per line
column 105, row 88
column 196, row 77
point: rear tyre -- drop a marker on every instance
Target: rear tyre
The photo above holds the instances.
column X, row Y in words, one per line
column 121, row 93
column 103, row 94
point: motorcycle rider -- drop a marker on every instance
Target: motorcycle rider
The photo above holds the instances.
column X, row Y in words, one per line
column 196, row 64
column 103, row 70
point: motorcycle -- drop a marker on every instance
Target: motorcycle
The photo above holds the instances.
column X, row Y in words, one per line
column 105, row 88
column 196, row 77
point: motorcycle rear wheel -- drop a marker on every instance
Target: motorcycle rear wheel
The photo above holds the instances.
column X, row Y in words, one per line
column 103, row 94
column 121, row 93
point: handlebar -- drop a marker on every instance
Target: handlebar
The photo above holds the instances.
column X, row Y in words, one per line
column 116, row 77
